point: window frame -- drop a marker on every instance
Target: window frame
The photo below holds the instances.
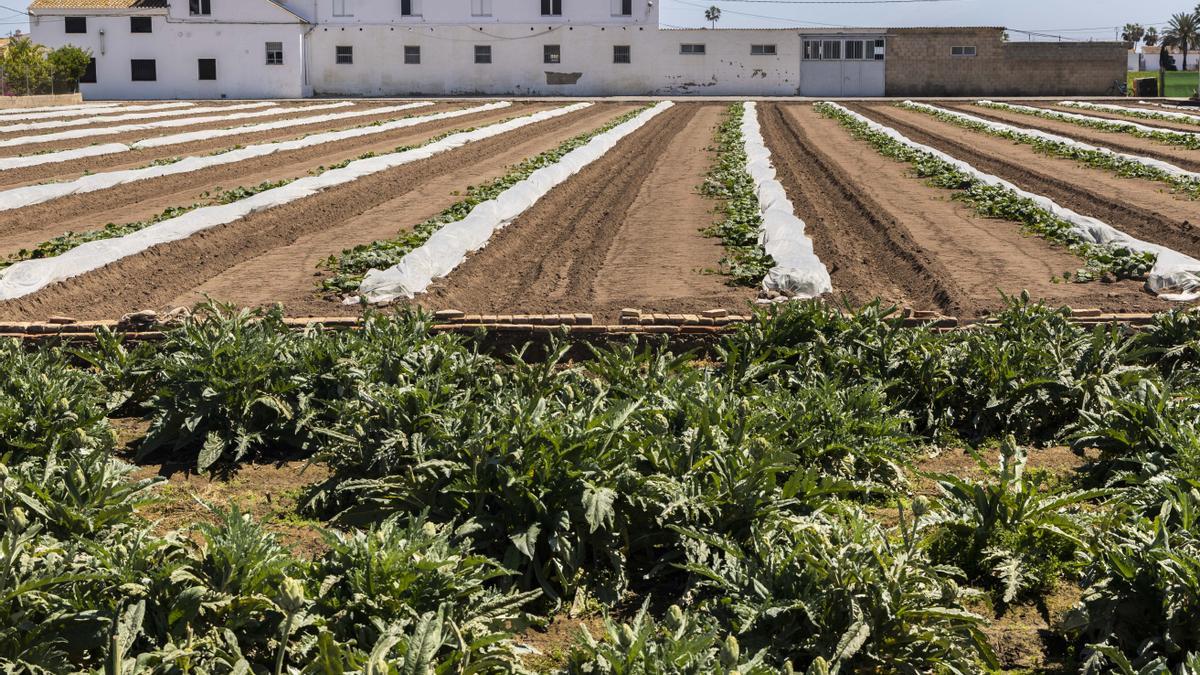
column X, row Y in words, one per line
column 410, row 8
column 200, row 70
column 852, row 47
column 764, row 50
column 964, row 51
column 480, row 51
column 343, row 55
column 617, row 55
column 693, row 49
column 72, row 25
column 89, row 73
column 136, row 23
column 485, row 8
column 412, row 52
column 133, row 70
column 552, row 55
column 278, row 53
column 552, row 8
column 199, row 7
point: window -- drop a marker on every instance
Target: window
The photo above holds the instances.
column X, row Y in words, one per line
column 762, row 50
column 207, row 68
column 274, row 53
column 89, row 75
column 879, row 49
column 342, row 8
column 483, row 53
column 855, row 49
column 621, row 54
column 199, row 7
column 413, row 7
column 344, row 55
column 143, row 70
column 412, row 56
column 76, row 24
column 140, row 24
column 552, row 54
column 622, row 7
column 481, row 7
column 691, row 49
column 812, row 50
column 962, row 51
column 831, row 49
column 551, row 7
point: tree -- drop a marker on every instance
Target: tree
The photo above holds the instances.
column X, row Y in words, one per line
column 68, row 63
column 1133, row 33
column 1151, row 36
column 25, row 65
column 1183, row 31
column 713, row 14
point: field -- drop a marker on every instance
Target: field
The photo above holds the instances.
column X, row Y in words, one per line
column 609, row 387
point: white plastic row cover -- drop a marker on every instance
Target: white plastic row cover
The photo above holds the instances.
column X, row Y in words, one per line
column 1191, row 108
column 1055, row 138
column 123, row 116
column 1125, row 110
column 798, row 272
column 1085, row 118
column 29, row 195
column 1175, row 276
column 92, row 132
column 447, row 248
column 30, row 276
column 50, row 112
column 192, row 136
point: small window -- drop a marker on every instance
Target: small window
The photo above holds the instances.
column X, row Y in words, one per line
column 551, row 7
column 76, row 24
column 691, row 49
column 552, row 54
column 344, row 55
column 411, row 7
column 481, row 7
column 879, row 49
column 89, row 75
column 412, row 56
column 762, row 50
column 622, row 54
column 483, row 53
column 143, row 70
column 855, row 50
column 962, row 51
column 812, row 50
column 199, row 7
column 342, row 8
column 831, row 49
column 140, row 24
column 274, row 53
column 622, row 7
column 208, row 69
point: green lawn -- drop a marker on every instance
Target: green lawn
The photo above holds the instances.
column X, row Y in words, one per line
column 1179, row 84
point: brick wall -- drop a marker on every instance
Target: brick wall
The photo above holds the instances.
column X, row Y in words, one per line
column 920, row 63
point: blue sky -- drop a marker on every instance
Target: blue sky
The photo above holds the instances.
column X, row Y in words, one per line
column 1082, row 19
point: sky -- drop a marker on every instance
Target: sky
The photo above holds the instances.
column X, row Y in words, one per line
column 1072, row 19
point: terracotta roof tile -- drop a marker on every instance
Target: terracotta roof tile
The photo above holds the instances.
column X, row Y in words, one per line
column 98, row 4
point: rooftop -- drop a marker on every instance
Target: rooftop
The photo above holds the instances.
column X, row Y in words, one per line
column 98, row 4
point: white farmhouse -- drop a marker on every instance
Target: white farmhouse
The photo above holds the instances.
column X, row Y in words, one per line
column 148, row 49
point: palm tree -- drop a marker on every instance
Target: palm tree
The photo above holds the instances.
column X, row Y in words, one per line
column 1183, row 31
column 1151, row 36
column 713, row 14
column 1133, row 33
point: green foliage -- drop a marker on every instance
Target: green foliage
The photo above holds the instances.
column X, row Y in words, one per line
column 68, row 63
column 1103, row 261
column 351, row 265
column 25, row 67
column 745, row 261
column 1187, row 140
column 1012, row 533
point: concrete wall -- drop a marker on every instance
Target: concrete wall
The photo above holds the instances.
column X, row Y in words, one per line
column 920, row 63
column 1149, row 60
column 14, row 102
column 462, row 12
column 448, row 64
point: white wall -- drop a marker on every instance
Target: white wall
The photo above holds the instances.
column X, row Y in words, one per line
column 1149, row 60
column 448, row 65
column 177, row 44
column 461, row 12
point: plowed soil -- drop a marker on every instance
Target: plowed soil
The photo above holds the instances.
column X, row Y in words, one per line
column 1117, row 117
column 138, row 158
column 1179, row 156
column 26, row 227
column 156, row 277
column 943, row 254
column 1143, row 208
column 622, row 232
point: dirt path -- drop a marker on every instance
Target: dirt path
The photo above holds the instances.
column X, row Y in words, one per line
column 138, row 158
column 853, row 234
column 1142, row 208
column 948, row 255
column 22, row 228
column 153, row 278
column 133, row 136
column 288, row 274
column 623, row 232
column 1179, row 156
